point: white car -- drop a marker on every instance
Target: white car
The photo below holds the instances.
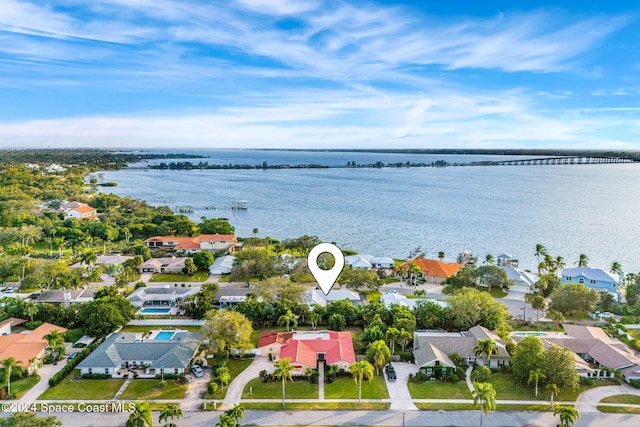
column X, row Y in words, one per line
column 606, row 315
column 197, row 371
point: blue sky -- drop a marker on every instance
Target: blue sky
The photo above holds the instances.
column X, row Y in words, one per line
column 316, row 73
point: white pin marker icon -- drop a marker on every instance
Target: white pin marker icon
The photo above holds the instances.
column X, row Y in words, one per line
column 325, row 278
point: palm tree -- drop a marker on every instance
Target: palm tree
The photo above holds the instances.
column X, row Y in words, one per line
column 583, row 261
column 489, row 259
column 568, row 415
column 392, row 336
column 8, row 364
column 540, row 250
column 170, row 412
column 536, row 375
column 314, row 318
column 288, row 319
column 360, row 370
column 226, row 421
column 553, row 389
column 379, row 354
column 237, row 413
column 538, row 304
column 223, row 376
column 549, row 264
column 559, row 264
column 88, row 258
column 413, row 271
column 485, row 348
column 441, row 255
column 485, row 396
column 55, row 340
column 255, row 232
column 141, row 415
column 283, row 368
column 616, row 268
column 404, row 337
column 31, row 310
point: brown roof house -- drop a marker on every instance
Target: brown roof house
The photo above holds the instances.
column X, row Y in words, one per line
column 434, row 271
column 27, row 348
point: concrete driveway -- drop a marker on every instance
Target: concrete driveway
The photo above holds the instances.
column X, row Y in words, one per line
column 234, row 392
column 398, row 389
column 588, row 401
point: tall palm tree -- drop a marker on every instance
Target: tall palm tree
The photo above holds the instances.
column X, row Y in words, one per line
column 484, row 395
column 360, row 370
column 170, row 412
column 404, row 337
column 88, row 258
column 489, row 259
column 441, row 255
column 486, row 348
column 536, row 375
column 549, row 264
column 568, row 415
column 616, row 268
column 288, row 319
column 538, row 304
column 283, row 369
column 413, row 271
column 141, row 416
column 392, row 336
column 559, row 264
column 55, row 340
column 379, row 354
column 226, row 421
column 553, row 390
column 223, row 376
column 237, row 413
column 314, row 318
column 583, row 261
column 31, row 310
column 540, row 250
column 8, row 364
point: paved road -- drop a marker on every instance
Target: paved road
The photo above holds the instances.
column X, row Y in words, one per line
column 371, row 418
column 398, row 390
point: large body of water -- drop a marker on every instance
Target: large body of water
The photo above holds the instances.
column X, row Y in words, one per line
column 589, row 209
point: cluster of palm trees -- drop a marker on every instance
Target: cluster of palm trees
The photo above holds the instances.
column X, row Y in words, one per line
column 8, row 364
column 231, row 417
column 55, row 341
column 141, row 416
column 398, row 336
column 551, row 265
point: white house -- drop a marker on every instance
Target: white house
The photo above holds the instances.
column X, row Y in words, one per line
column 222, row 265
column 316, row 296
column 523, row 281
column 368, row 262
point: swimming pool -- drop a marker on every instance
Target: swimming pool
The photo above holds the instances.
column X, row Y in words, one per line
column 149, row 310
column 529, row 334
column 164, row 336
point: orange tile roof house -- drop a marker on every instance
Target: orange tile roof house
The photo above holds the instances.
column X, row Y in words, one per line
column 310, row 348
column 27, row 347
column 203, row 242
column 434, row 271
column 79, row 210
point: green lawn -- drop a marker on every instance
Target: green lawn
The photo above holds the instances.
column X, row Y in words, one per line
column 372, row 295
column 273, row 390
column 200, row 276
column 572, row 395
column 147, row 328
column 73, row 335
column 235, row 367
column 74, row 387
column 148, row 390
column 439, row 390
column 329, row 406
column 507, row 389
column 618, row 410
column 498, row 293
column 20, row 387
column 622, row 398
column 445, row 406
column 635, row 333
column 346, row 388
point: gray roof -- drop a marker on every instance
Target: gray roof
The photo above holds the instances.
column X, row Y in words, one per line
column 590, row 274
column 222, row 265
column 57, row 296
column 521, row 277
column 121, row 347
column 161, row 294
column 232, row 292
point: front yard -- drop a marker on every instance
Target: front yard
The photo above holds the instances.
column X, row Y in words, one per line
column 199, row 276
column 236, row 366
column 346, row 388
column 439, row 390
column 74, row 387
column 273, row 390
column 20, row 387
column 148, row 390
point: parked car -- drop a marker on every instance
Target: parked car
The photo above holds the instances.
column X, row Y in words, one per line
column 391, row 372
column 73, row 355
column 606, row 315
column 197, row 371
column 9, row 290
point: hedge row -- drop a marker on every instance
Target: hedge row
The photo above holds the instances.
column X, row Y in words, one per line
column 71, row 364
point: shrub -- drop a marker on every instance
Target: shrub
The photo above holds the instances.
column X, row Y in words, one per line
column 96, row 376
column 140, row 285
column 270, row 357
column 634, row 383
column 450, row 377
column 162, row 384
column 407, row 356
column 212, row 387
column 3, row 393
column 33, row 325
column 169, row 376
column 587, row 381
column 480, row 374
column 48, row 359
column 418, row 378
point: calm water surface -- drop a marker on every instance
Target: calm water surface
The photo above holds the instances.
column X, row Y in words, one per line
column 494, row 209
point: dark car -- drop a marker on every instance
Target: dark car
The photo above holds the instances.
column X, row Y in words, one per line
column 391, row 372
column 72, row 356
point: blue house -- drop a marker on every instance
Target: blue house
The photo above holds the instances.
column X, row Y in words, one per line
column 593, row 278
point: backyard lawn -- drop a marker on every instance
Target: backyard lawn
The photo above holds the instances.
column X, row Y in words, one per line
column 346, row 388
column 235, row 367
column 74, row 387
column 20, row 387
column 273, row 390
column 439, row 390
column 148, row 390
column 200, row 276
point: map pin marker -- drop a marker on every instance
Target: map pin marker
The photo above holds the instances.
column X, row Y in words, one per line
column 325, row 278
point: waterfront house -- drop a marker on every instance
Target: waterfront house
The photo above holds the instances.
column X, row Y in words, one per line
column 167, row 296
column 309, row 349
column 368, row 262
column 215, row 243
column 506, row 260
column 162, row 265
column 218, row 243
column 523, row 281
column 395, row 298
column 432, row 349
column 78, row 210
column 29, row 348
column 316, row 296
column 594, row 278
column 222, row 265
column 142, row 355
column 434, row 271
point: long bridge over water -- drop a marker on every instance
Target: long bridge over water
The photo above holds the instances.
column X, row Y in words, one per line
column 564, row 160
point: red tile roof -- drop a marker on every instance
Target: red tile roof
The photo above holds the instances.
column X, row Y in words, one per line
column 84, row 209
column 267, row 338
column 218, row 237
column 434, row 268
column 338, row 347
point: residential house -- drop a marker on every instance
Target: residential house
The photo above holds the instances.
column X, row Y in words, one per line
column 228, row 297
column 316, row 296
column 7, row 324
column 506, row 260
column 162, row 265
column 216, row 243
column 395, row 298
column 523, row 281
column 167, row 296
column 147, row 355
column 309, row 349
column 27, row 348
column 368, row 262
column 78, row 210
column 105, row 260
column 432, row 349
column 594, row 278
column 66, row 297
column 596, row 354
column 272, row 342
column 434, row 271
column 222, row 265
